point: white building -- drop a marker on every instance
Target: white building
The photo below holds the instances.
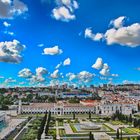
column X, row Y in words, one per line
column 111, row 108
column 57, row 108
column 61, row 108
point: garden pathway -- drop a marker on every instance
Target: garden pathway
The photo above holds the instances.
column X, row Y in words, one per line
column 11, row 127
column 115, row 127
column 22, row 130
column 68, row 129
column 57, row 131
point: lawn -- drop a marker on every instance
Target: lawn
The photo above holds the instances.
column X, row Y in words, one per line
column 52, row 132
column 73, row 128
column 77, row 116
column 132, row 138
column 109, row 128
column 52, row 123
column 62, row 132
column 131, row 130
column 32, row 130
column 31, row 134
column 31, row 115
column 117, row 123
column 60, row 123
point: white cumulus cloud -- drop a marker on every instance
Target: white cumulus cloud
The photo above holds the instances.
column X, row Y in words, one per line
column 39, row 76
column 52, row 51
column 37, row 79
column 92, row 36
column 40, row 71
column 85, row 76
column 10, row 51
column 11, row 8
column 9, row 33
column 55, row 74
column 98, row 64
column 58, row 65
column 125, row 36
column 65, row 10
column 117, row 23
column 25, row 73
column 67, row 62
column 71, row 76
column 119, row 34
column 103, row 67
column 40, row 45
column 6, row 24
column 128, row 82
column 115, row 75
column 9, row 80
column 105, row 71
column 62, row 13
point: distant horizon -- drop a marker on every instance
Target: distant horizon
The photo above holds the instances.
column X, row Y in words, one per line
column 100, row 85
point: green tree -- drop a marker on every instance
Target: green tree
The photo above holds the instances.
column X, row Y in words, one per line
column 126, row 118
column 138, row 138
column 130, row 118
column 139, row 123
column 89, row 114
column 47, row 124
column 138, row 107
column 135, row 122
column 40, row 131
column 73, row 115
column 91, row 137
column 117, row 134
column 4, row 107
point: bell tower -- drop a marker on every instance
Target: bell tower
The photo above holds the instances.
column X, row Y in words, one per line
column 19, row 107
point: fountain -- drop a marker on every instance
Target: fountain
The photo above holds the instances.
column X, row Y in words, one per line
column 89, row 126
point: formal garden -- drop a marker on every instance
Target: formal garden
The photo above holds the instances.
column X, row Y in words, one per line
column 78, row 126
column 83, row 126
column 32, row 130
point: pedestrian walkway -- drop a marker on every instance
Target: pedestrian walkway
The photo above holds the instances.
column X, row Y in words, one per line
column 115, row 127
column 11, row 127
column 68, row 129
column 57, row 131
column 26, row 126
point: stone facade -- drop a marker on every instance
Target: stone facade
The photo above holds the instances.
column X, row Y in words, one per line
column 67, row 108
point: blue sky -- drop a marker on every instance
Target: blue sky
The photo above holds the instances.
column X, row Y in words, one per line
column 43, row 22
